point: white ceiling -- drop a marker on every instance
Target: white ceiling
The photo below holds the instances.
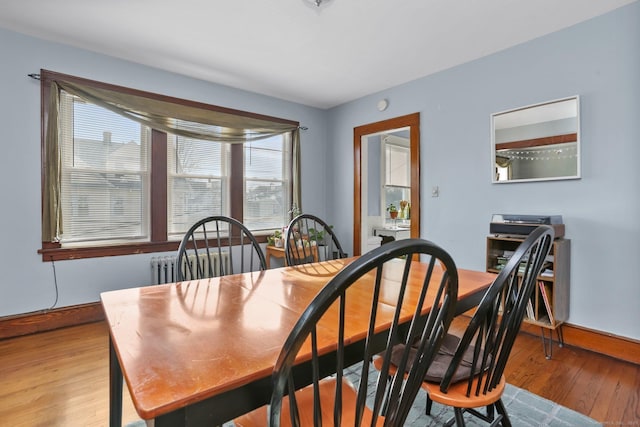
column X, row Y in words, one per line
column 291, row 49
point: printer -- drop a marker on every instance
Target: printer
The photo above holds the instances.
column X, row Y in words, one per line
column 521, row 225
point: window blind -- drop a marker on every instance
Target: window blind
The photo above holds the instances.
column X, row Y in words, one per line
column 266, row 171
column 104, row 173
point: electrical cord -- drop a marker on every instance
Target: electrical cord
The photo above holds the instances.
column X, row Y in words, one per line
column 55, row 283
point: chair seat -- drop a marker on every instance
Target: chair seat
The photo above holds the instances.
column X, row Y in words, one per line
column 304, row 399
column 441, row 362
column 456, row 396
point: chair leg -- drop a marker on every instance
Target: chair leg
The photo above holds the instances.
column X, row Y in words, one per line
column 489, row 417
column 427, row 410
column 459, row 419
column 505, row 421
column 502, row 418
column 490, row 412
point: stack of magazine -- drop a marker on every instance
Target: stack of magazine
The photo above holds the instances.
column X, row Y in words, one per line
column 502, row 260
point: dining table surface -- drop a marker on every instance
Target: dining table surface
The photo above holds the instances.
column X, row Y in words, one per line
column 202, row 352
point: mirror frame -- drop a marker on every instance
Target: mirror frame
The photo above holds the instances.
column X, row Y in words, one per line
column 541, row 141
column 411, row 121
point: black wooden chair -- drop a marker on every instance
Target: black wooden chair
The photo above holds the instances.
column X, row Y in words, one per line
column 310, row 239
column 217, row 246
column 375, row 284
column 468, row 372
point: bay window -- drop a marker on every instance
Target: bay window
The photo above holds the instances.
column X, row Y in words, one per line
column 126, row 171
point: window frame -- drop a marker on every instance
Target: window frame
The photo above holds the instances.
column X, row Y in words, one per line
column 386, row 186
column 159, row 242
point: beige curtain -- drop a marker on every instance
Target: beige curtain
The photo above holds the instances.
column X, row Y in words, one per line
column 51, row 209
column 296, row 173
column 184, row 120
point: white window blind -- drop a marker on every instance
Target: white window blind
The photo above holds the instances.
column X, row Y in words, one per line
column 397, row 179
column 104, row 173
column 198, row 173
column 266, row 182
column 398, row 171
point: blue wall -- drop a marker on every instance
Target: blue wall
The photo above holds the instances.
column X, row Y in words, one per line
column 27, row 284
column 598, row 60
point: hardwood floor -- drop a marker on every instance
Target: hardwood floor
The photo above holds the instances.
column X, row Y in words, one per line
column 601, row 387
column 61, row 378
column 58, row 378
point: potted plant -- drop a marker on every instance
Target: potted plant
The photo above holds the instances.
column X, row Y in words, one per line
column 393, row 211
column 317, row 235
column 275, row 239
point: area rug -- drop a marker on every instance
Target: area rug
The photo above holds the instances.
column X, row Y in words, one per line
column 525, row 409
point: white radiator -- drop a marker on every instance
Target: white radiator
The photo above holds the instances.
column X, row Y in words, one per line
column 164, row 269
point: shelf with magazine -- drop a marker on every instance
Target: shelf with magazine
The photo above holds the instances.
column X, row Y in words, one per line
column 549, row 305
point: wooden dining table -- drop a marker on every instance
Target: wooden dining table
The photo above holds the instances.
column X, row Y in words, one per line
column 202, row 352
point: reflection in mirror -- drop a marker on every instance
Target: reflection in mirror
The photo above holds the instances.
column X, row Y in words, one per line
column 386, row 171
column 537, row 142
column 389, row 178
column 397, row 174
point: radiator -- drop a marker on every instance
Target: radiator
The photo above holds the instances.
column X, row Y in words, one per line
column 164, row 269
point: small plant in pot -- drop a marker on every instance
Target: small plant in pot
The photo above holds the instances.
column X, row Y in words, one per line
column 393, row 211
column 317, row 235
column 275, row 239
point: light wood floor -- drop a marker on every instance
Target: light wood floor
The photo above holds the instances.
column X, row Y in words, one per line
column 61, row 378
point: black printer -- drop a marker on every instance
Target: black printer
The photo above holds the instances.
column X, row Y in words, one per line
column 521, row 225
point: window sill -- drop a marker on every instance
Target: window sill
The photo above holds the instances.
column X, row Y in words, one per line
column 53, row 252
column 50, row 253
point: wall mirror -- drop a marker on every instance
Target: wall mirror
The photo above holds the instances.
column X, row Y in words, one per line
column 539, row 142
column 386, row 170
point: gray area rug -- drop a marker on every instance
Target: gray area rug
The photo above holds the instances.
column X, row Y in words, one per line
column 525, row 410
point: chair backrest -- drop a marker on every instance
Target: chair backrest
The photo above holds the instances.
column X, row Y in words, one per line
column 217, row 246
column 497, row 320
column 310, row 239
column 375, row 284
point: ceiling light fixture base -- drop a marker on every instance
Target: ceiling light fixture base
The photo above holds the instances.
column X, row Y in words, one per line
column 316, row 2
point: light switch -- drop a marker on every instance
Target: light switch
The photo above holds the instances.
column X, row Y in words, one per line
column 435, row 191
